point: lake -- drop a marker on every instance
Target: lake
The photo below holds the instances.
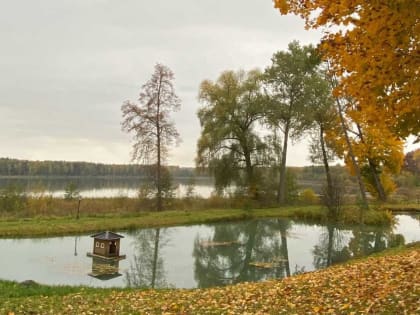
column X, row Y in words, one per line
column 98, row 187
column 200, row 255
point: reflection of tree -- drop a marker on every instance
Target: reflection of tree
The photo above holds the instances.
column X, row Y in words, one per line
column 330, row 249
column 365, row 242
column 283, row 226
column 231, row 254
column 146, row 269
column 75, row 245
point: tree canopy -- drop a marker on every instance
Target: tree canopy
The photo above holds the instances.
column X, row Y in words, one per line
column 373, row 47
column 287, row 81
column 229, row 144
column 150, row 123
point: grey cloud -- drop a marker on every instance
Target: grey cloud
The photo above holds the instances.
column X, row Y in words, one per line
column 68, row 65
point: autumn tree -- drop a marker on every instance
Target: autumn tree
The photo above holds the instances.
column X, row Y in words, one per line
column 343, row 146
column 149, row 122
column 286, row 81
column 229, row 144
column 371, row 154
column 376, row 45
column 323, row 116
column 372, row 47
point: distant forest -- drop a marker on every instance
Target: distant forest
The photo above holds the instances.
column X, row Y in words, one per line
column 15, row 167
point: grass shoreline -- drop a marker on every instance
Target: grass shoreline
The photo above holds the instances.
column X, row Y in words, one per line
column 41, row 226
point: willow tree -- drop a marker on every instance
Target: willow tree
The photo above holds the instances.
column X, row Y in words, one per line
column 286, row 82
column 229, row 144
column 149, row 122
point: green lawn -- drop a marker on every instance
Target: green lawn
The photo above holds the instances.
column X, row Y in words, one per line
column 46, row 226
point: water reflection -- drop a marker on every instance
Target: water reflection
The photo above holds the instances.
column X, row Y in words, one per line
column 147, row 265
column 258, row 250
column 331, row 248
column 200, row 255
column 249, row 251
column 75, row 245
column 105, row 270
column 365, row 242
column 337, row 246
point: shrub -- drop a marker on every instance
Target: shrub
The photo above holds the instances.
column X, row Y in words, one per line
column 308, row 197
column 12, row 199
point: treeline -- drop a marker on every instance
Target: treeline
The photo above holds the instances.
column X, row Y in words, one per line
column 15, row 167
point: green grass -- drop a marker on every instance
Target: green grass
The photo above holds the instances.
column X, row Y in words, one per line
column 408, row 208
column 45, row 226
column 12, row 289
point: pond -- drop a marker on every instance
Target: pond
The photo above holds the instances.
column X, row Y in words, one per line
column 200, row 255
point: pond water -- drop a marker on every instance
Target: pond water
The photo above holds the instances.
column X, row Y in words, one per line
column 200, row 255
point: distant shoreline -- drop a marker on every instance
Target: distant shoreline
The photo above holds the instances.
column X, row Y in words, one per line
column 93, row 176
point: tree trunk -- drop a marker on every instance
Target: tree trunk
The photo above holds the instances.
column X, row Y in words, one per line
column 252, row 191
column 365, row 205
column 378, row 184
column 330, row 192
column 353, row 160
column 372, row 167
column 362, row 188
column 281, row 193
column 158, row 179
column 158, row 162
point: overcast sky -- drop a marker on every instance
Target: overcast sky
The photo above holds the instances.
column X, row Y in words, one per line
column 67, row 66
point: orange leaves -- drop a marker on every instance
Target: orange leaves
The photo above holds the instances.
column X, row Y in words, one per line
column 373, row 49
column 375, row 285
column 378, row 50
column 282, row 5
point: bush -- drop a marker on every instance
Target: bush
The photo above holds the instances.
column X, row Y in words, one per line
column 308, row 197
column 12, row 199
column 291, row 188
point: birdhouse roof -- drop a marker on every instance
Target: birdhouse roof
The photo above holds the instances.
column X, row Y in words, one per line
column 107, row 235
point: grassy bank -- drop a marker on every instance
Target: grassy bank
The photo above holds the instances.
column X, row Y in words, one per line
column 65, row 225
column 405, row 208
column 381, row 284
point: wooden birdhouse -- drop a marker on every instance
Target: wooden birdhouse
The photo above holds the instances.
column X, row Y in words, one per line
column 106, row 245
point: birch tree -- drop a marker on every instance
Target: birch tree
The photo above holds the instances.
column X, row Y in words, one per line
column 150, row 124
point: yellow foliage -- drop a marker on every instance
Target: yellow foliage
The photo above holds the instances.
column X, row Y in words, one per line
column 378, row 51
column 373, row 50
column 388, row 185
column 308, row 196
